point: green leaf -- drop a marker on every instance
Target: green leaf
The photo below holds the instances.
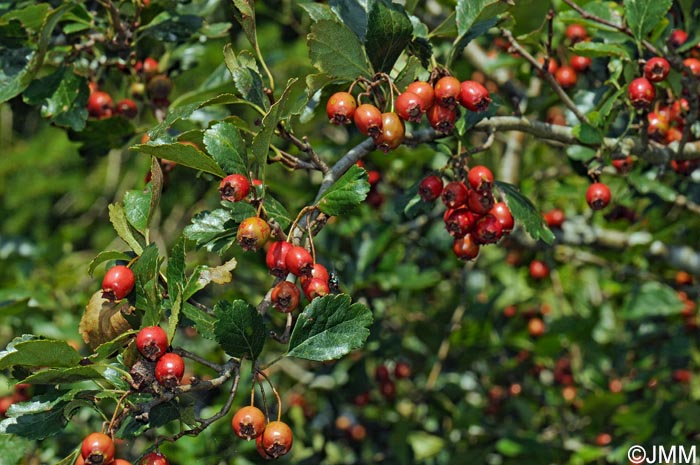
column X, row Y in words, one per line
column 108, row 349
column 227, row 148
column 463, row 40
column 210, row 225
column 32, row 352
column 105, row 257
column 74, row 374
column 182, row 154
column 651, row 299
column 346, row 194
column 389, row 30
column 99, row 136
column 587, row 134
column 245, row 15
column 425, row 445
column 121, row 226
column 168, row 28
column 529, row 16
column 204, row 275
column 329, row 328
column 650, row 185
column 174, row 114
column 240, row 329
column 13, row 449
column 247, row 79
column 600, row 49
column 469, row 11
column 318, row 12
column 137, row 204
column 525, row 213
column 275, row 210
column 175, row 272
column 335, row 50
column 31, row 17
column 204, row 323
column 36, row 426
column 63, row 98
column 146, row 270
column 174, row 318
column 262, row 140
column 642, row 16
column 353, row 14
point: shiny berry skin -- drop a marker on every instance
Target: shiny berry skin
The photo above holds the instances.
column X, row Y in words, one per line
column 677, row 38
column 566, row 77
column 474, row 96
column 285, row 296
column 480, row 202
column 402, row 370
column 118, row 283
column 392, row 134
column 678, row 110
column 657, row 125
column 159, row 87
column 580, row 63
column 252, row 233
column 656, row 69
column 480, row 178
column 447, row 91
column 536, row 327
column 319, row 271
column 554, row 218
column 430, row 188
column 126, row 107
column 169, row 370
column 121, row 462
column 154, row 458
column 442, row 119
column 488, row 230
column 673, row 135
column 538, row 269
column 99, row 104
column 315, row 287
column 576, row 33
column 460, row 222
column 234, row 187
column 299, row 261
column 152, row 342
column 259, row 447
column 149, row 67
column 693, row 64
column 623, row 165
column 277, row 439
column 410, row 107
column 424, row 91
column 598, row 196
column 552, row 66
column 465, row 248
column 368, row 120
column 502, row 213
column 97, row 449
column 248, row 422
column 340, row 108
column 275, row 259
column 641, row 92
column 454, row 194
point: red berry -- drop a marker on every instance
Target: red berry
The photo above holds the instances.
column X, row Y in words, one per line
column 152, row 342
column 447, row 91
column 315, row 287
column 656, row 69
column 603, row 439
column 277, row 439
column 641, row 92
column 487, row 230
column 121, row 462
column 5, row 403
column 117, row 283
column 248, row 422
column 169, row 370
column 276, row 258
column 424, row 91
column 368, row 120
column 465, row 248
column 430, row 188
column 598, row 196
column 480, row 202
column 388, row 389
column 580, row 63
column 410, row 107
column 259, row 447
column 684, row 167
column 623, row 165
column 285, row 296
column 97, row 449
column 480, row 178
column 576, row 33
column 678, row 110
column 682, row 376
column 693, row 64
column 149, row 67
column 566, row 77
column 536, row 327
column 538, row 269
column 99, row 104
column 234, row 187
column 154, row 458
column 402, row 370
column 474, row 96
column 442, row 119
column 502, row 213
column 454, row 194
column 552, row 65
column 392, row 133
column 673, row 135
column 460, row 222
column 373, row 177
column 299, row 261
column 127, row 107
column 554, row 218
column 381, row 373
column 340, row 108
column 657, row 126
column 677, row 38
column 159, row 88
column 319, row 271
column 252, row 233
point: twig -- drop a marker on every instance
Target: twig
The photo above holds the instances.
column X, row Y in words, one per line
column 187, row 354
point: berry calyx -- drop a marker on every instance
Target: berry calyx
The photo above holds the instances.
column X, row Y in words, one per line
column 275, row 259
column 277, row 439
column 460, row 222
column 454, row 194
column 315, row 287
column 299, row 261
column 465, row 248
column 480, row 202
column 623, row 165
column 169, row 370
column 118, row 283
column 538, row 269
column 319, row 271
column 488, row 230
column 152, row 342
column 656, row 69
column 248, row 422
column 154, row 458
column 392, row 134
column 99, row 104
column 424, row 91
column 127, row 108
column 566, row 77
column 447, row 90
column 368, row 120
column 252, row 233
column 474, row 96
column 430, row 188
column 340, row 108
column 442, row 119
column 97, row 449
column 641, row 92
column 598, row 196
column 480, row 178
column 410, row 107
column 234, row 187
column 285, row 296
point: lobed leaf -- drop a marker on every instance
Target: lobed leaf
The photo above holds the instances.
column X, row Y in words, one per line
column 182, row 154
column 227, row 147
column 346, row 194
column 525, row 213
column 336, row 51
column 240, row 329
column 389, row 31
column 642, row 16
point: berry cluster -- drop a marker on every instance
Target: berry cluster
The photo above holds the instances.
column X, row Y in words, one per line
column 273, row 439
column 473, row 217
column 152, row 343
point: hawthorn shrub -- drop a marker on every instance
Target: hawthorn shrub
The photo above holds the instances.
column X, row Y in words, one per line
column 355, row 232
